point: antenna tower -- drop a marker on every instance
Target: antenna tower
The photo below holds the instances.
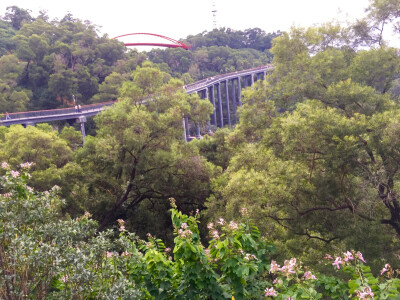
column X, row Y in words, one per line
column 214, row 11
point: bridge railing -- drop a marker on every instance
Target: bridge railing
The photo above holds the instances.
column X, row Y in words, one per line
column 58, row 111
column 202, row 84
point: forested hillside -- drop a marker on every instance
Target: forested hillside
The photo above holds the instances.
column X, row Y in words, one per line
column 44, row 62
column 299, row 200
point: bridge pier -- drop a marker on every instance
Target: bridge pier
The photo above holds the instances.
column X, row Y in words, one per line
column 228, row 109
column 198, row 135
column 187, row 128
column 212, row 100
column 82, row 120
column 239, row 103
column 234, row 103
column 184, row 130
column 220, row 112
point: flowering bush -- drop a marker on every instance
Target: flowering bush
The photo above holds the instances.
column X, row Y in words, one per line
column 233, row 264
column 292, row 281
column 43, row 256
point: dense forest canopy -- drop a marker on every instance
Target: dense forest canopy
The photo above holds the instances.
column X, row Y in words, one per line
column 313, row 162
column 45, row 62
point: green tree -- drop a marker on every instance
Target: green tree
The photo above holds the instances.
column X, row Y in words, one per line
column 324, row 170
column 138, row 153
column 108, row 90
column 51, row 155
column 371, row 30
column 6, row 34
column 17, row 16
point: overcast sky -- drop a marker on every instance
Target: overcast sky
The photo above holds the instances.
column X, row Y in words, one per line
column 179, row 18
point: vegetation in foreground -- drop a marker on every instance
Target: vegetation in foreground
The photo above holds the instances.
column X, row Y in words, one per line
column 45, row 257
column 314, row 160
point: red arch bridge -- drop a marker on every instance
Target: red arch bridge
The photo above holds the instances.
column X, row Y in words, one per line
column 171, row 42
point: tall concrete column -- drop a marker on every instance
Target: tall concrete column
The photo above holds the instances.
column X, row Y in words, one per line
column 82, row 120
column 220, row 112
column 228, row 109
column 187, row 126
column 184, row 130
column 212, row 100
column 198, row 135
column 239, row 92
column 252, row 79
column 234, row 102
column 202, row 95
column 206, row 96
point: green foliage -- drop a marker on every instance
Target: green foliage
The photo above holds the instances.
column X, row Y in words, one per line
column 314, row 152
column 57, row 59
column 43, row 256
column 61, row 58
column 214, row 147
column 138, row 154
column 294, row 281
column 208, row 61
column 6, row 34
column 253, row 38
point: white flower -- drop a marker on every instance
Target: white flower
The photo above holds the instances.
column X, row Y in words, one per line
column 308, row 275
column 14, row 174
column 250, row 256
column 221, row 221
column 215, row 234
column 27, row 165
column 233, row 225
column 274, row 267
column 55, row 188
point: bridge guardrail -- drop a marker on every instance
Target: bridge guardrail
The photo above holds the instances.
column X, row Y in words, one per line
column 204, row 83
column 58, row 111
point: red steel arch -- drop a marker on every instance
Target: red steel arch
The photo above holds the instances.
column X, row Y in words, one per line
column 173, row 44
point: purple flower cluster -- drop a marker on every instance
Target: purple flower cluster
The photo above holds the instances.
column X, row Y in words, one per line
column 289, row 267
column 270, row 292
column 184, row 232
column 366, row 293
column 347, row 257
column 385, row 269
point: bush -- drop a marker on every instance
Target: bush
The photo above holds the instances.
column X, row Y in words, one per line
column 43, row 256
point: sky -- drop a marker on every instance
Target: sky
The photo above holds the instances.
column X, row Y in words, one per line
column 179, row 18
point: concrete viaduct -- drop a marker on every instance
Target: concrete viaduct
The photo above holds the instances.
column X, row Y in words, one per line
column 223, row 91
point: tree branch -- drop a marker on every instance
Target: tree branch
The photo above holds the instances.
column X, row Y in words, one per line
column 302, row 213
